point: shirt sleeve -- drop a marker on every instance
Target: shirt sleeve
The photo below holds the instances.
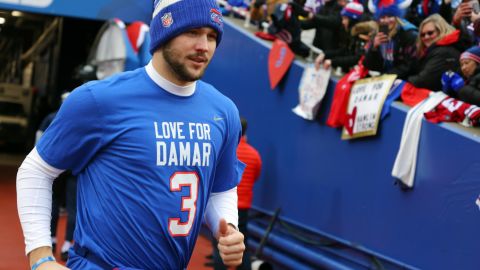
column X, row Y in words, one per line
column 229, row 169
column 76, row 134
column 222, row 205
column 34, row 200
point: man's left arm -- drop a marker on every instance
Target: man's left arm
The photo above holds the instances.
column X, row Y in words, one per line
column 221, row 216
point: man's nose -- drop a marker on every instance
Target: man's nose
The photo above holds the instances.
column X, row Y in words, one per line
column 202, row 43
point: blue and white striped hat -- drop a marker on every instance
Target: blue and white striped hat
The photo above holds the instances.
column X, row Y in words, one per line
column 472, row 53
column 352, row 10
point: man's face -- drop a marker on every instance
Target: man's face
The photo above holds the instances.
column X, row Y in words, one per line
column 189, row 53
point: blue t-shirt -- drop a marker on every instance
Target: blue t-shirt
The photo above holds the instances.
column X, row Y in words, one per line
column 147, row 161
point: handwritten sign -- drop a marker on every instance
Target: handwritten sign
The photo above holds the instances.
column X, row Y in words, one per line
column 311, row 90
column 365, row 106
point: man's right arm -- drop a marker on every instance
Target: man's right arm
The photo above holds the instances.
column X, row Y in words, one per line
column 34, row 203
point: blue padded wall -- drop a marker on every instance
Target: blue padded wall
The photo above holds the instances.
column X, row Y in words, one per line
column 344, row 188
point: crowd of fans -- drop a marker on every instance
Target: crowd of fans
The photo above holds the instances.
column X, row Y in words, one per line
column 432, row 44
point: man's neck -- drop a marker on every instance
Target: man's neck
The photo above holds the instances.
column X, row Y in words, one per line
column 166, row 84
column 165, row 71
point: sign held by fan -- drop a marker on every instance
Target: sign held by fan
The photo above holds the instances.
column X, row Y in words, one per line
column 365, row 106
column 279, row 60
column 311, row 90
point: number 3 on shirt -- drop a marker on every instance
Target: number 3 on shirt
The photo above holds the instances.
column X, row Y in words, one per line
column 189, row 203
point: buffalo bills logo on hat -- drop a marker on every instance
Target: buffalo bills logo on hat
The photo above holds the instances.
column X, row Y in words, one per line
column 216, row 16
column 167, row 19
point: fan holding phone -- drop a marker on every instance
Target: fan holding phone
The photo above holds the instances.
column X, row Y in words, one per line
column 393, row 47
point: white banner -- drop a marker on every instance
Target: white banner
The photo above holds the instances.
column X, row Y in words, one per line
column 312, row 89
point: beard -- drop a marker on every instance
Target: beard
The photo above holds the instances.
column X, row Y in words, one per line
column 179, row 68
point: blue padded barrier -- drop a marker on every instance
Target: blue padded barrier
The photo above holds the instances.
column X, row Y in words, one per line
column 344, row 188
column 280, row 261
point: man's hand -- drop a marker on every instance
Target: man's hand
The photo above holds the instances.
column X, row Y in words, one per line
column 42, row 252
column 230, row 244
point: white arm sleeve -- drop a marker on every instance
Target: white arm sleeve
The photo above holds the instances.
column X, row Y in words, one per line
column 34, row 200
column 222, row 205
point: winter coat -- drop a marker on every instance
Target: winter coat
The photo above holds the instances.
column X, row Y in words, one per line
column 328, row 23
column 404, row 52
column 470, row 93
column 427, row 70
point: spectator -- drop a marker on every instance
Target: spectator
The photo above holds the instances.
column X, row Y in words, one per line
column 421, row 9
column 393, row 47
column 260, row 10
column 286, row 26
column 351, row 47
column 453, row 83
column 438, row 48
column 250, row 156
column 327, row 23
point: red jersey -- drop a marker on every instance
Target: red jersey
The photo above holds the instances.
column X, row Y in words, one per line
column 453, row 110
column 248, row 155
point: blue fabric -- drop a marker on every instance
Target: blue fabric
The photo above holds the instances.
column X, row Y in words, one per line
column 406, row 25
column 393, row 95
column 387, row 49
column 392, row 10
column 237, row 3
column 110, row 134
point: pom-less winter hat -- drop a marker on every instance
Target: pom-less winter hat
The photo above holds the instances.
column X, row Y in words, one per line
column 352, row 10
column 473, row 53
column 173, row 17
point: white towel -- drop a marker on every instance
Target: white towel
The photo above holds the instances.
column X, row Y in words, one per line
column 406, row 161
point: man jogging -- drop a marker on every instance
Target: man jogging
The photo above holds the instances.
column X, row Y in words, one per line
column 154, row 151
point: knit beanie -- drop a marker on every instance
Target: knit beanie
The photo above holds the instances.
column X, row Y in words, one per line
column 394, row 8
column 352, row 10
column 473, row 53
column 174, row 17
